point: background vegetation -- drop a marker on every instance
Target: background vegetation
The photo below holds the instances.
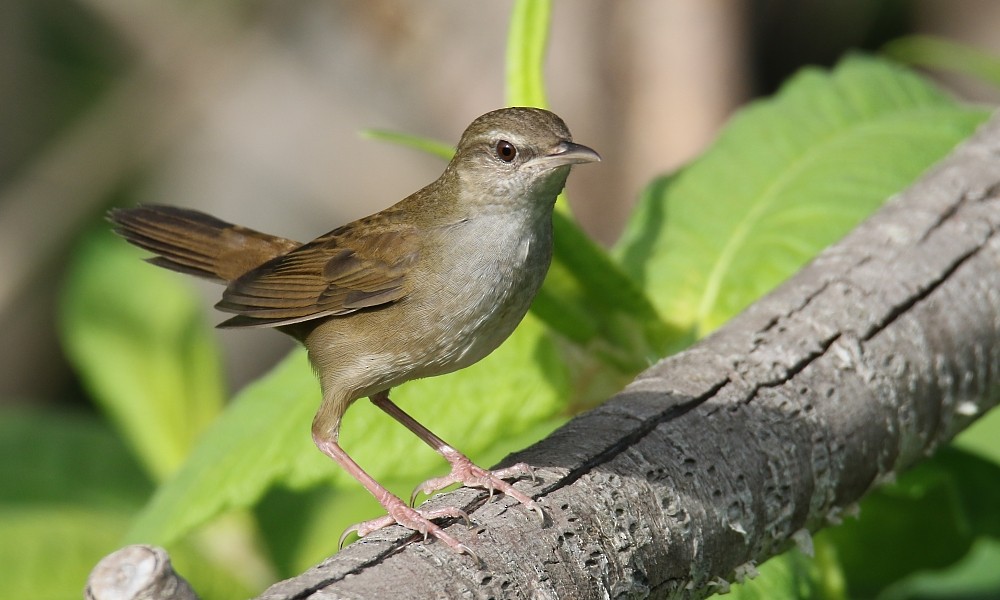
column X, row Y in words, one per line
column 146, row 444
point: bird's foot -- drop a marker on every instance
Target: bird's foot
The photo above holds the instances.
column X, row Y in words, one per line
column 465, row 472
column 417, row 520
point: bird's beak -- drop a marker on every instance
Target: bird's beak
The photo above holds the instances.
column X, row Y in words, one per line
column 569, row 153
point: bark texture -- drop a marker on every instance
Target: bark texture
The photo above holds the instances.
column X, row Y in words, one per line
column 865, row 362
column 137, row 572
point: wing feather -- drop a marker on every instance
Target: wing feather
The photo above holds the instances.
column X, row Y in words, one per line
column 361, row 265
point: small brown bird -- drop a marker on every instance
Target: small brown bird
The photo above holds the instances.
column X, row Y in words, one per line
column 425, row 287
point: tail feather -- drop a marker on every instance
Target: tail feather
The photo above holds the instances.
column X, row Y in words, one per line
column 195, row 243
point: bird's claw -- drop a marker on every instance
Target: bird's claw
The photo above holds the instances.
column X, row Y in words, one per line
column 463, row 471
column 417, row 520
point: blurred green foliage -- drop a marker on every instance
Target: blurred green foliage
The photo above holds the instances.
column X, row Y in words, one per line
column 157, row 374
column 789, row 175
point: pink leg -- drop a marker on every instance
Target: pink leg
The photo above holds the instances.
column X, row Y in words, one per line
column 463, row 470
column 399, row 512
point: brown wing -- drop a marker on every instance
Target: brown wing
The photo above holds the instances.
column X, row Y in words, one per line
column 360, row 265
column 195, row 243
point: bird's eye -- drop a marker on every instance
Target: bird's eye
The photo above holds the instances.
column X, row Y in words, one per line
column 506, row 151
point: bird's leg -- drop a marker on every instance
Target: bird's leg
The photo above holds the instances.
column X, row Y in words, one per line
column 398, row 511
column 463, row 470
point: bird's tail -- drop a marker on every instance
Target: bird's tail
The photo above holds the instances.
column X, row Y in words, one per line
column 192, row 242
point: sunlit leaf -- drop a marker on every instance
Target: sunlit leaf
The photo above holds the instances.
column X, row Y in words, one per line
column 788, row 176
column 138, row 338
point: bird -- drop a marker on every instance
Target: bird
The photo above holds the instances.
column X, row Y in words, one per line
column 430, row 285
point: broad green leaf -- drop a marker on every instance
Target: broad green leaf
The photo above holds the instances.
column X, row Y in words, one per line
column 138, row 339
column 787, row 177
column 977, row 575
column 252, row 444
column 509, row 399
column 940, row 53
column 57, row 458
column 70, row 488
column 611, row 315
column 928, row 520
column 221, row 562
column 527, row 42
column 982, row 437
column 298, row 525
column 65, row 544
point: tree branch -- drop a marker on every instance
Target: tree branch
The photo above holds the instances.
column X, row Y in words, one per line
column 137, row 572
column 865, row 362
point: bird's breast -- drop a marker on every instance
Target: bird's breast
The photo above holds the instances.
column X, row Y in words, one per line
column 483, row 288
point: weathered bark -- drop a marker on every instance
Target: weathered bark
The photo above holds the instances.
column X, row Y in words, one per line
column 137, row 572
column 865, row 362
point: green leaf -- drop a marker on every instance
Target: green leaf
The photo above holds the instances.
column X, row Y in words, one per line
column 929, row 519
column 432, row 147
column 70, row 489
column 591, row 301
column 787, row 177
column 940, row 53
column 982, row 437
column 977, row 575
column 298, row 525
column 65, row 544
column 255, row 442
column 527, row 41
column 138, row 339
column 509, row 399
column 57, row 458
